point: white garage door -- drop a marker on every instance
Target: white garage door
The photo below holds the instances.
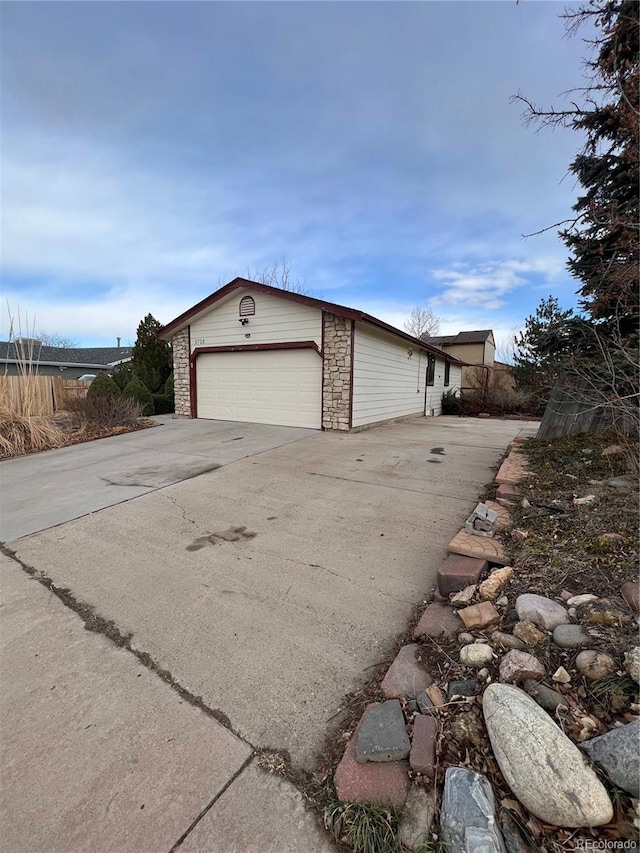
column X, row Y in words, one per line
column 265, row 387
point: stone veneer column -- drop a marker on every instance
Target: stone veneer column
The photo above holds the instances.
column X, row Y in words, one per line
column 336, row 383
column 181, row 383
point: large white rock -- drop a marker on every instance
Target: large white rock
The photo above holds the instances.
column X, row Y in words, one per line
column 542, row 611
column 543, row 768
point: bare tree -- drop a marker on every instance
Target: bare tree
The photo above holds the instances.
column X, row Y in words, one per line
column 422, row 323
column 53, row 339
column 279, row 275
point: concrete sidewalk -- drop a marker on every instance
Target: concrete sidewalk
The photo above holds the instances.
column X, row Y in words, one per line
column 99, row 754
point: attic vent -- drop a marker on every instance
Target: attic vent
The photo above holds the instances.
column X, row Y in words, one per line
column 247, row 306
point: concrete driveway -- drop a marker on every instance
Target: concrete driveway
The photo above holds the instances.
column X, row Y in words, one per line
column 269, row 586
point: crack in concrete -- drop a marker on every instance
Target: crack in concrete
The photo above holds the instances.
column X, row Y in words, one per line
column 99, row 625
column 183, row 510
column 388, row 486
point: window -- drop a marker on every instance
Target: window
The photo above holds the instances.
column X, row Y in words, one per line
column 247, row 306
column 431, row 370
column 447, row 371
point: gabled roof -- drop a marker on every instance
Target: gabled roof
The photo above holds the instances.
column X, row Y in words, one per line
column 34, row 351
column 341, row 310
column 476, row 337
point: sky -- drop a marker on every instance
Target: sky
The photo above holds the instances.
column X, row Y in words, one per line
column 154, row 151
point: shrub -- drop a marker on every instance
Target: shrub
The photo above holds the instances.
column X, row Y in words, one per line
column 162, row 404
column 122, row 374
column 168, row 387
column 137, row 391
column 105, row 411
column 22, row 433
column 103, row 386
column 451, row 403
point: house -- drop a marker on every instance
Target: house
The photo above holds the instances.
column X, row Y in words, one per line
column 251, row 352
column 478, row 347
column 71, row 363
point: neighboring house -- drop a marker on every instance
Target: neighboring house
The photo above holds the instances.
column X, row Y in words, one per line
column 250, row 352
column 478, row 347
column 70, row 363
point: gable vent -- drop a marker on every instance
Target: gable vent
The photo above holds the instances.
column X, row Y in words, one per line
column 247, row 306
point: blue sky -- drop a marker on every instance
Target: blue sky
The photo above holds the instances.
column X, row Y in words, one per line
column 152, row 151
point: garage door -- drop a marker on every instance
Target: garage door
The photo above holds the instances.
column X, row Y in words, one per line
column 266, row 387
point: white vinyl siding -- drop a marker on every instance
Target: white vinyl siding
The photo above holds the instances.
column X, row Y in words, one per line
column 265, row 387
column 274, row 321
column 387, row 383
column 455, row 378
column 433, row 404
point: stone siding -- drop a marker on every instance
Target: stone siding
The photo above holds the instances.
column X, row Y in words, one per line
column 181, row 384
column 336, row 382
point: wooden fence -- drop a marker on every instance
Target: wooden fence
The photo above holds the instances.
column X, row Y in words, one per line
column 576, row 407
column 39, row 395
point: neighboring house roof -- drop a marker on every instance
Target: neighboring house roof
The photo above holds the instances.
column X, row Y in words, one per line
column 476, row 337
column 35, row 353
column 341, row 310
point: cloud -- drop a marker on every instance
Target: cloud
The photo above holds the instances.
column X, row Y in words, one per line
column 488, row 285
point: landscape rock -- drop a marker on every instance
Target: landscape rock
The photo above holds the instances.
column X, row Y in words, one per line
column 436, row 695
column 613, row 450
column 599, row 612
column 479, row 615
column 464, row 638
column 491, row 588
column 619, row 483
column 383, row 736
column 465, row 687
column 466, row 729
column 513, row 840
column 503, row 601
column 458, row 572
column 618, row 753
column 464, row 597
column 631, row 594
column 482, row 521
column 406, row 677
column 543, row 768
column 476, row 654
column 499, row 638
column 587, row 499
column 422, row 758
column 385, row 783
column 467, row 818
column 577, row 600
column 417, row 817
column 593, row 664
column 541, row 611
column 517, row 666
column 570, row 636
column 425, row 705
column 632, row 663
column 528, row 633
column 438, row 620
column 561, row 675
column 545, row 697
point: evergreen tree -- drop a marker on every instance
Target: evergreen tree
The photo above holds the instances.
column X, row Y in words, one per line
column 151, row 356
column 603, row 238
column 103, row 386
column 548, row 343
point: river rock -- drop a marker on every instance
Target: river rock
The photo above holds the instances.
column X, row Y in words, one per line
column 528, row 633
column 383, row 736
column 599, row 612
column 593, row 664
column 467, row 818
column 464, row 638
column 518, row 666
column 541, row 611
column 617, row 752
column 406, row 677
column 543, row 768
column 417, row 817
column 495, row 583
column 631, row 594
column 476, row 654
column 499, row 638
column 545, row 697
column 577, row 600
column 570, row 636
column 632, row 663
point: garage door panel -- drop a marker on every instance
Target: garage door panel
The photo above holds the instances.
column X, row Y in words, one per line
column 271, row 386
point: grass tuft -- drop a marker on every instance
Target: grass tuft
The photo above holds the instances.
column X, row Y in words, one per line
column 365, row 827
